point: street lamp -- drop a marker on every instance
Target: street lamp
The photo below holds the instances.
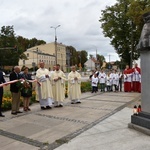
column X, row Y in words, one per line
column 37, row 55
column 95, row 50
column 55, row 42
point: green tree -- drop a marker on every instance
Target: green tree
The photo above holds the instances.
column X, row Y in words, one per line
column 101, row 59
column 8, row 52
column 91, row 56
column 73, row 55
column 124, row 28
column 82, row 57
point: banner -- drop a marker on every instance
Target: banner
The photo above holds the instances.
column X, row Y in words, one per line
column 14, row 81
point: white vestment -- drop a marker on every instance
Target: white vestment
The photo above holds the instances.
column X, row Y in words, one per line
column 115, row 79
column 58, row 86
column 102, row 77
column 44, row 90
column 94, row 81
column 136, row 76
column 74, row 86
column 108, row 81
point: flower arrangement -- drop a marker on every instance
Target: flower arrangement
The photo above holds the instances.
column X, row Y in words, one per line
column 25, row 87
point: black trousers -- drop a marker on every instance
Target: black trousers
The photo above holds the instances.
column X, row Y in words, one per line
column 108, row 88
column 94, row 89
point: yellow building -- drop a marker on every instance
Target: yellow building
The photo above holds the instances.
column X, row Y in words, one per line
column 45, row 53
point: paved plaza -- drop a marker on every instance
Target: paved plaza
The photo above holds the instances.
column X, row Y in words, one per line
column 98, row 123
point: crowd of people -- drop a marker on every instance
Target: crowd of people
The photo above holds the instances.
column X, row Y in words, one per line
column 50, row 87
column 113, row 80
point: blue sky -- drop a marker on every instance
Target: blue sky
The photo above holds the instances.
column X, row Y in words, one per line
column 79, row 28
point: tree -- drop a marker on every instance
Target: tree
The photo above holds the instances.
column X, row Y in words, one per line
column 27, row 43
column 12, row 47
column 82, row 55
column 8, row 53
column 101, row 59
column 124, row 28
column 73, row 55
column 91, row 56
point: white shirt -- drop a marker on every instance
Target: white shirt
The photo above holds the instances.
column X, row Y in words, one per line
column 94, row 81
column 102, row 77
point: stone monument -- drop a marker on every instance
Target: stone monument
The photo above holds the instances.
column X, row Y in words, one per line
column 142, row 120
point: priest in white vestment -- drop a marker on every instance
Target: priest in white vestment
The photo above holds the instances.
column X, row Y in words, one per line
column 51, row 74
column 58, row 84
column 74, row 86
column 44, row 88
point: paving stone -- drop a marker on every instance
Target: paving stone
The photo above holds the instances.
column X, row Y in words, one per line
column 45, row 127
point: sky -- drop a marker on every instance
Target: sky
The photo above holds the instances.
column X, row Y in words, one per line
column 78, row 20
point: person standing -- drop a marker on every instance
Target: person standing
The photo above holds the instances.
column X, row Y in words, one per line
column 120, row 81
column 94, row 83
column 59, row 79
column 26, row 91
column 51, row 74
column 136, row 75
column 90, row 78
column 15, row 90
column 102, row 80
column 74, row 86
column 44, row 87
column 2, row 80
column 115, row 80
column 127, row 79
column 108, row 82
column 111, row 80
column 97, row 73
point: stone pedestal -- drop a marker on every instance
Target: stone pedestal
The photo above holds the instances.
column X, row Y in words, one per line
column 145, row 81
column 143, row 118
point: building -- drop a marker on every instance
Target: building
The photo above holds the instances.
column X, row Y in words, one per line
column 91, row 64
column 35, row 57
column 45, row 53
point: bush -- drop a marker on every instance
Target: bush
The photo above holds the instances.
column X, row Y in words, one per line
column 7, row 100
column 85, row 87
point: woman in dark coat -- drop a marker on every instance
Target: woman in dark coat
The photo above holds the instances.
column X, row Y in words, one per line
column 26, row 90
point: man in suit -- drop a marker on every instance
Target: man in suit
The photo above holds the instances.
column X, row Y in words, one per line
column 15, row 91
column 2, row 80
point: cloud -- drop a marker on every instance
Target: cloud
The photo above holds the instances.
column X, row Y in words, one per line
column 79, row 20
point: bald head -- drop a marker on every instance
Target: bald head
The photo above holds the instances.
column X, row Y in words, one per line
column 17, row 69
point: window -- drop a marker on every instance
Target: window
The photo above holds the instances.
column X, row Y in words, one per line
column 27, row 54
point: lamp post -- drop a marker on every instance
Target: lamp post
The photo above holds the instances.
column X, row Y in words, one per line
column 95, row 50
column 55, row 42
column 37, row 55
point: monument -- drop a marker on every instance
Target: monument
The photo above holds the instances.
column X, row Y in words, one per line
column 141, row 121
